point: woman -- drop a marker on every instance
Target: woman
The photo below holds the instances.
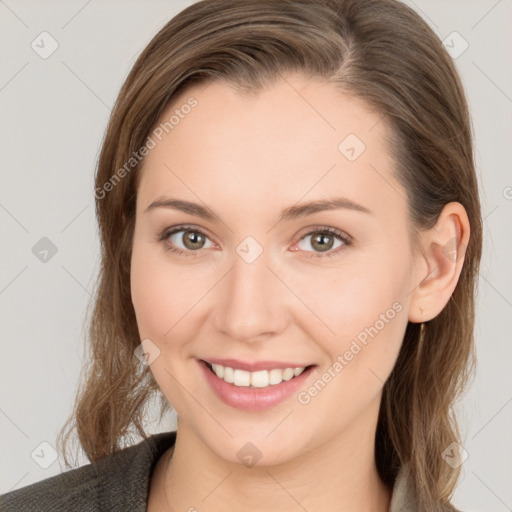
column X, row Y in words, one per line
column 291, row 234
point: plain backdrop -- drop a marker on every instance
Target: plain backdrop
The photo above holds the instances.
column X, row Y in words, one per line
column 54, row 110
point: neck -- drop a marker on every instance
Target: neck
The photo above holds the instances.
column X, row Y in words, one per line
column 340, row 474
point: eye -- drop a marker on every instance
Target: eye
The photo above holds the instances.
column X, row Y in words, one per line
column 189, row 240
column 325, row 241
column 185, row 240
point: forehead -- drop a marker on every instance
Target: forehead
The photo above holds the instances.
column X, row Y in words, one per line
column 293, row 138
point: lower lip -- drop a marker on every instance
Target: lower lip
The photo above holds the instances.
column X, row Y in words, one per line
column 253, row 399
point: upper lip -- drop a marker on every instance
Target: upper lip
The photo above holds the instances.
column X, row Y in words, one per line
column 255, row 366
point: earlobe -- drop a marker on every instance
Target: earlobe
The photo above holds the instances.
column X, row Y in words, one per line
column 442, row 256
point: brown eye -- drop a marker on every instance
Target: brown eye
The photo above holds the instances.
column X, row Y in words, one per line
column 186, row 240
column 193, row 240
column 324, row 240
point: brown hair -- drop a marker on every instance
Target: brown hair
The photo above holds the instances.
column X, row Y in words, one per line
column 378, row 50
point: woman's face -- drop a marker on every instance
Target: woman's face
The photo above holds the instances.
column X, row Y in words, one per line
column 254, row 283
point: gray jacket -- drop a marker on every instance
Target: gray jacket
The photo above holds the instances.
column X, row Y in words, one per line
column 120, row 483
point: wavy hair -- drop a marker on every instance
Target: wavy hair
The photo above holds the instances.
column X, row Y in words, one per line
column 380, row 51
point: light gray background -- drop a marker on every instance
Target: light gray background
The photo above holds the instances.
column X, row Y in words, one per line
column 53, row 116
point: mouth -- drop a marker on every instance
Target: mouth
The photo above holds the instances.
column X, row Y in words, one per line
column 259, row 379
column 255, row 391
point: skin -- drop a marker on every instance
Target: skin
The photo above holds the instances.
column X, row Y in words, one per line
column 247, row 158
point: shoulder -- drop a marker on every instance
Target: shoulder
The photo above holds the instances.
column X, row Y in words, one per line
column 117, row 482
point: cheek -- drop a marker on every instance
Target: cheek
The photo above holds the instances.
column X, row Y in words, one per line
column 349, row 298
column 149, row 298
column 363, row 311
column 164, row 294
column 369, row 326
column 152, row 295
column 163, row 297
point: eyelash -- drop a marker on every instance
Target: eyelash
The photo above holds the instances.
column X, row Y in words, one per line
column 166, row 233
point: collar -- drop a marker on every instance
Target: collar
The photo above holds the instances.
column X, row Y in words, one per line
column 402, row 499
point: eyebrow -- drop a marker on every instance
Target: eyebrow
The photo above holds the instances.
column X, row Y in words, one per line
column 291, row 213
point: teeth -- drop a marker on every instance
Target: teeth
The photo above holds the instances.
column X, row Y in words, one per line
column 229, row 373
column 259, row 379
column 288, row 374
column 275, row 376
column 298, row 371
column 242, row 378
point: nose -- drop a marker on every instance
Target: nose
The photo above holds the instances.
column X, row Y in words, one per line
column 251, row 302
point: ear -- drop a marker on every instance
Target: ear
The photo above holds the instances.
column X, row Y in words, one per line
column 439, row 263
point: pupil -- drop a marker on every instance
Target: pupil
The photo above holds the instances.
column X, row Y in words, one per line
column 320, row 239
column 193, row 240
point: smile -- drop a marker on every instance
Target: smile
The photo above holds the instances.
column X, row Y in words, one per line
column 254, row 391
column 259, row 379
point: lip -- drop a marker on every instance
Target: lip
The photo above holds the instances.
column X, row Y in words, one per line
column 253, row 399
column 255, row 366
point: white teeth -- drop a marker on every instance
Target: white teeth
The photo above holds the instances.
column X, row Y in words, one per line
column 275, row 376
column 219, row 370
column 259, row 379
column 242, row 378
column 229, row 374
column 288, row 374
